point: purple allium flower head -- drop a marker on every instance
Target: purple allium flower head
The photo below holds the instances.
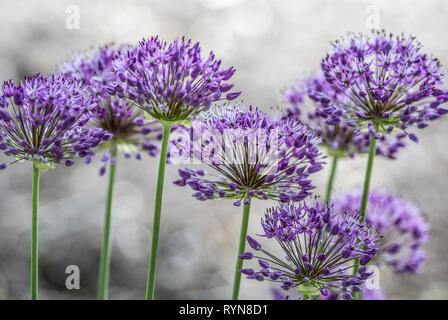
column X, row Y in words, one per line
column 388, row 81
column 132, row 132
column 252, row 155
column 402, row 225
column 317, row 263
column 308, row 101
column 42, row 119
column 171, row 82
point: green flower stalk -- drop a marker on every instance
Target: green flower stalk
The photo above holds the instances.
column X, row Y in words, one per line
column 132, row 133
column 35, row 233
column 172, row 84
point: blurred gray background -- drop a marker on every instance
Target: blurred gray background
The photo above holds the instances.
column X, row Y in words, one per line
column 271, row 44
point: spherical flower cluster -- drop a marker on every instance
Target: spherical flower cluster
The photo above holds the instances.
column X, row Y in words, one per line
column 306, row 101
column 321, row 248
column 172, row 82
column 252, row 155
column 402, row 225
column 132, row 133
column 42, row 119
column 388, row 81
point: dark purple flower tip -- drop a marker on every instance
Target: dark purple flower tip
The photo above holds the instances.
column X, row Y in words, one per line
column 237, row 203
column 356, row 281
column 3, row 166
column 275, row 275
column 253, row 243
column 221, row 193
column 263, row 264
column 413, row 137
column 347, row 296
column 184, row 173
column 309, row 266
column 357, row 289
column 233, row 95
column 102, row 170
column 246, row 201
column 246, row 256
column 248, row 271
column 283, row 197
column 258, row 276
column 69, row 163
column 365, row 260
column 180, row 182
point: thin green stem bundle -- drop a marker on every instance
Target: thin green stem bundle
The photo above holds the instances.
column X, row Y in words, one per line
column 34, row 234
column 103, row 279
column 331, row 179
column 241, row 247
column 157, row 214
column 365, row 196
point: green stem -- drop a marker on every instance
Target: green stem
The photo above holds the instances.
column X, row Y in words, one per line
column 34, row 233
column 365, row 192
column 157, row 212
column 365, row 196
column 242, row 245
column 331, row 179
column 103, row 280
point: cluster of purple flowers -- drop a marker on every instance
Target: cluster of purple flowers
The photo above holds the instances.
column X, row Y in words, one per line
column 321, row 246
column 122, row 99
column 42, row 119
column 132, row 132
column 171, row 82
column 368, row 294
column 306, row 101
column 253, row 156
column 402, row 225
column 387, row 82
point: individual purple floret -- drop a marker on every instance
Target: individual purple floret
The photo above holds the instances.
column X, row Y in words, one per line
column 389, row 82
column 402, row 225
column 132, row 133
column 42, row 119
column 307, row 99
column 252, row 156
column 172, row 82
column 315, row 263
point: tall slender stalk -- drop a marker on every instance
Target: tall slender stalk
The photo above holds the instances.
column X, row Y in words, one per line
column 34, row 233
column 103, row 279
column 365, row 196
column 242, row 245
column 334, row 164
column 365, row 192
column 157, row 213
